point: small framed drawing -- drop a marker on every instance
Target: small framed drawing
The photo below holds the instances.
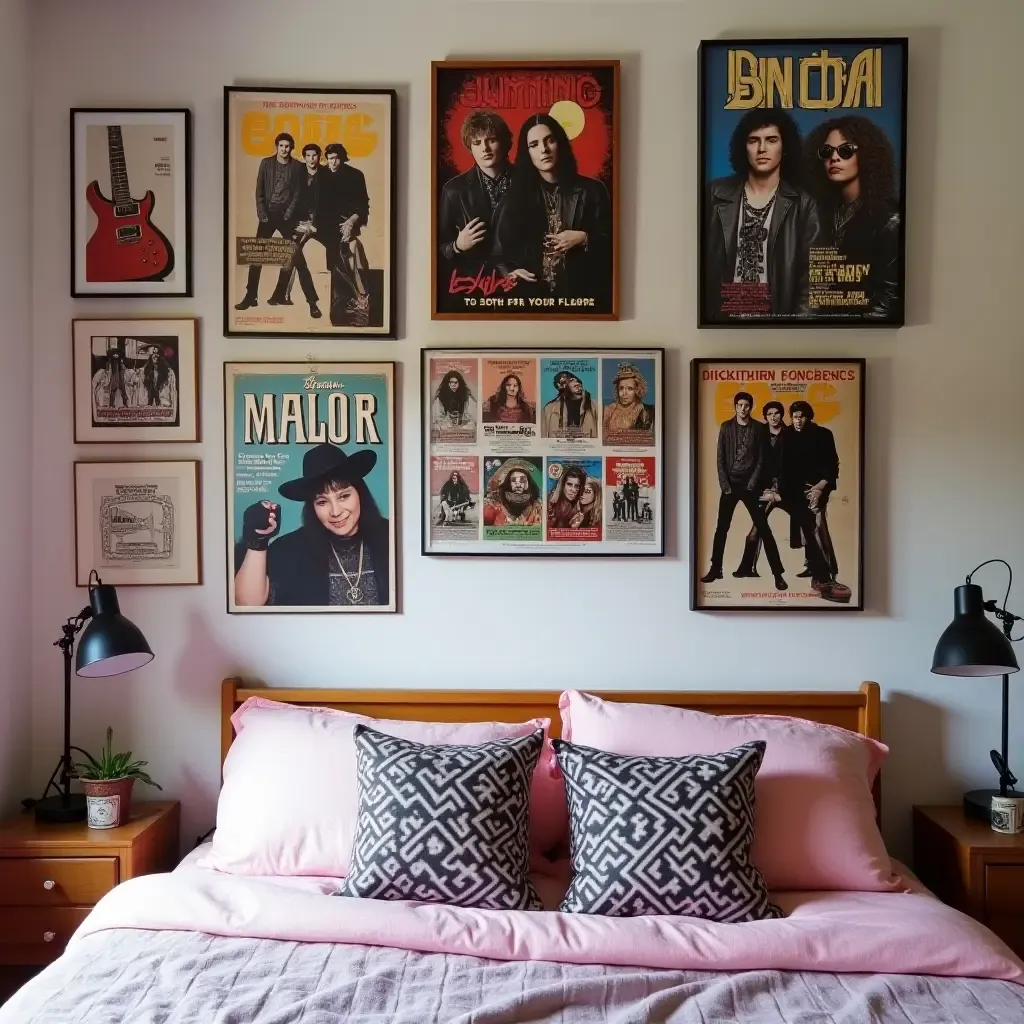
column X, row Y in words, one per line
column 309, row 212
column 137, row 523
column 543, row 451
column 131, row 199
column 777, row 465
column 135, row 380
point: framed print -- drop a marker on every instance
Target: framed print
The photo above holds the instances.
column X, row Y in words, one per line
column 543, row 451
column 525, row 176
column 309, row 201
column 777, row 465
column 131, row 215
column 135, row 380
column 802, row 182
column 310, row 487
column 137, row 523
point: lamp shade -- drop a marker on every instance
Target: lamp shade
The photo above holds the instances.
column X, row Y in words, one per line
column 110, row 644
column 972, row 644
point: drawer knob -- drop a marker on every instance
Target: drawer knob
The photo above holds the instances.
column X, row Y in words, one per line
column 49, row 884
column 49, row 936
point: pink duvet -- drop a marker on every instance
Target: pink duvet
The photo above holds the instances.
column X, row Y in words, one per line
column 907, row 932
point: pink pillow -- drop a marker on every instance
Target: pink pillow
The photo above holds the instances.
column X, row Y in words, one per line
column 289, row 800
column 816, row 825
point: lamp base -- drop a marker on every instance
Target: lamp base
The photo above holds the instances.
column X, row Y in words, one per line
column 56, row 810
column 978, row 803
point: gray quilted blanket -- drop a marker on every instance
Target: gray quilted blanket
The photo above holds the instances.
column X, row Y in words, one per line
column 129, row 976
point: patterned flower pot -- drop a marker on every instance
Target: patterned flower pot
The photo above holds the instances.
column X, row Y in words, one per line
column 107, row 801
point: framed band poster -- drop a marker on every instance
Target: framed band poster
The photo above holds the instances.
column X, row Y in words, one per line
column 543, row 451
column 777, row 460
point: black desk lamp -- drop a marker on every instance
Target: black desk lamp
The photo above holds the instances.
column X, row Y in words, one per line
column 972, row 645
column 110, row 646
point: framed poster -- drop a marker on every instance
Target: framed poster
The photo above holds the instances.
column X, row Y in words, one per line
column 543, row 451
column 777, row 464
column 525, row 176
column 137, row 523
column 135, row 380
column 310, row 454
column 803, row 182
column 131, row 203
column 309, row 200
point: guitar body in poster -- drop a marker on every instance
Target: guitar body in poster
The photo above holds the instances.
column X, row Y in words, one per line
column 126, row 245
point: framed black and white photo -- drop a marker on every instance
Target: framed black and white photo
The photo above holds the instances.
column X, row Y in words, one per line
column 135, row 380
column 137, row 523
column 309, row 212
column 131, row 215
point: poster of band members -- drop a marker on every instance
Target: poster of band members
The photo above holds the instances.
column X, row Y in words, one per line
column 135, row 380
column 778, row 475
column 310, row 487
column 525, row 179
column 309, row 220
column 137, row 523
column 130, row 216
column 542, row 451
column 803, row 197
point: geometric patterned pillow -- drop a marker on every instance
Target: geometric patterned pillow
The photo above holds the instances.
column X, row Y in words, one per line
column 663, row 835
column 444, row 823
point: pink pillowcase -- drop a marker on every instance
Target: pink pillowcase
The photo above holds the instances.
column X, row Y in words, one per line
column 816, row 825
column 289, row 800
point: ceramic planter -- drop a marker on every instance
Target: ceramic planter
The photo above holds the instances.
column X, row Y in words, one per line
column 107, row 801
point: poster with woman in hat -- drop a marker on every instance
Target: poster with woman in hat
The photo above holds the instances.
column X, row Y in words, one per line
column 310, row 487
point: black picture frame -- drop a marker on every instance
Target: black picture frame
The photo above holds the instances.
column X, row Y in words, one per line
column 386, row 301
column 126, row 233
column 699, row 526
column 543, row 448
column 883, row 298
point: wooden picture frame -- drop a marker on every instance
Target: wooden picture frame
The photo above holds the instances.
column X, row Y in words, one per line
column 507, row 208
column 131, row 202
column 589, row 462
column 135, row 380
column 782, row 457
column 826, row 190
column 349, row 290
column 138, row 523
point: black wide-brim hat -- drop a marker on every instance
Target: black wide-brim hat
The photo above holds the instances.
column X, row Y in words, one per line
column 321, row 463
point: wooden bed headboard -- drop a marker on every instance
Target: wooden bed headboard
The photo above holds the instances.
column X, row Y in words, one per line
column 858, row 710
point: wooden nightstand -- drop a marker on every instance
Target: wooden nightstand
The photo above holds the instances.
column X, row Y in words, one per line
column 51, row 876
column 972, row 868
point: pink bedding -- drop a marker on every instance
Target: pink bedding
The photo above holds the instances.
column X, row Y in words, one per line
column 907, row 932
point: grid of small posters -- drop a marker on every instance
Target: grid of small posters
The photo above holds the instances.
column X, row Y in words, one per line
column 542, row 451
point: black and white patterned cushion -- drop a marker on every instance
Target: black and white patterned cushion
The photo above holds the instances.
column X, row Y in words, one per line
column 445, row 823
column 663, row 835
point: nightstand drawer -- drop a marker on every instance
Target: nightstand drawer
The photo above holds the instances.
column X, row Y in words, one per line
column 37, row 935
column 56, row 881
column 1004, row 889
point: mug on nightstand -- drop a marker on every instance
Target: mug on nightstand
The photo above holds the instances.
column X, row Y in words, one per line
column 1008, row 814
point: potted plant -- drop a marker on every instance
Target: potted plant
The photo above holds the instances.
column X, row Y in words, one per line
column 108, row 784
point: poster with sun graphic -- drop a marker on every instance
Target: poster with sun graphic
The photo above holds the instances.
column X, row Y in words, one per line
column 778, row 484
column 525, row 183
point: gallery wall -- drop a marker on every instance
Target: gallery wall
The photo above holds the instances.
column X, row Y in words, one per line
column 944, row 481
column 15, row 417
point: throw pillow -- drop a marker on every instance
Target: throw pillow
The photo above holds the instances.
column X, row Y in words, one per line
column 444, row 823
column 663, row 835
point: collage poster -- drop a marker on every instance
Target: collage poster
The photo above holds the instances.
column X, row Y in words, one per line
column 525, row 167
column 310, row 487
column 803, row 182
column 309, row 239
column 543, row 451
column 778, row 467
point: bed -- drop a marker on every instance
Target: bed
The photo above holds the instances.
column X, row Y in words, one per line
column 201, row 945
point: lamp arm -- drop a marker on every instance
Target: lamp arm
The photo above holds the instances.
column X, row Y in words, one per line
column 72, row 628
column 1007, row 618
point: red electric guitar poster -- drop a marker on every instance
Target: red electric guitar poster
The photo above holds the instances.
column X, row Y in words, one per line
column 130, row 203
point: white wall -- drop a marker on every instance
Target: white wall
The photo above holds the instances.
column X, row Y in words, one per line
column 944, row 413
column 15, row 410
